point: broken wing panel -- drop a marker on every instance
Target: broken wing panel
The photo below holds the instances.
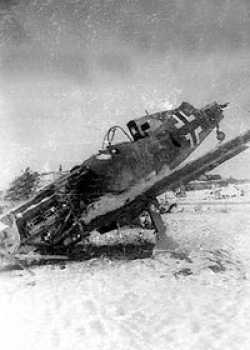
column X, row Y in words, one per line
column 192, row 170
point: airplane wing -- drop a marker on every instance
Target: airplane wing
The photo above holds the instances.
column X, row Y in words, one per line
column 193, row 169
column 183, row 175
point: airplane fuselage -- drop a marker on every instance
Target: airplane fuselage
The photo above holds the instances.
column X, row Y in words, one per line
column 114, row 186
column 119, row 175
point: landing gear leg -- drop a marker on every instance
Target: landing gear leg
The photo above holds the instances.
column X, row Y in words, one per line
column 220, row 135
column 163, row 241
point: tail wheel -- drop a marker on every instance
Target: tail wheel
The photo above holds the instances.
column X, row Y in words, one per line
column 220, row 135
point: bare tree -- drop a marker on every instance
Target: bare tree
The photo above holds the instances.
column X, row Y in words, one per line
column 23, row 186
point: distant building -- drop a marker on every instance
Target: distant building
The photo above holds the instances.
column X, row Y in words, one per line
column 206, row 181
column 213, row 177
column 226, row 192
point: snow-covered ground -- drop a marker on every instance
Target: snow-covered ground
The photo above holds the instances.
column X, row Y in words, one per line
column 198, row 300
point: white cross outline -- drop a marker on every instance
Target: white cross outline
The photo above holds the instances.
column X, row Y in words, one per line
column 189, row 137
column 189, row 118
column 196, row 138
column 179, row 123
column 193, row 139
column 197, row 132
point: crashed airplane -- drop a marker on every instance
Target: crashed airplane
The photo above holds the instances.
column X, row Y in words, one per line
column 112, row 188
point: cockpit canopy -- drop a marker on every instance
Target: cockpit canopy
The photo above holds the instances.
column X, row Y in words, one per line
column 146, row 125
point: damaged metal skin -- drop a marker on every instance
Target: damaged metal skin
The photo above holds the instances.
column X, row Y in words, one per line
column 116, row 185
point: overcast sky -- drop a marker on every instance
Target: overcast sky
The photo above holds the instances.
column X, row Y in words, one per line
column 71, row 69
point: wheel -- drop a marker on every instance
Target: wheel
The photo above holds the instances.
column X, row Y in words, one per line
column 220, row 135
